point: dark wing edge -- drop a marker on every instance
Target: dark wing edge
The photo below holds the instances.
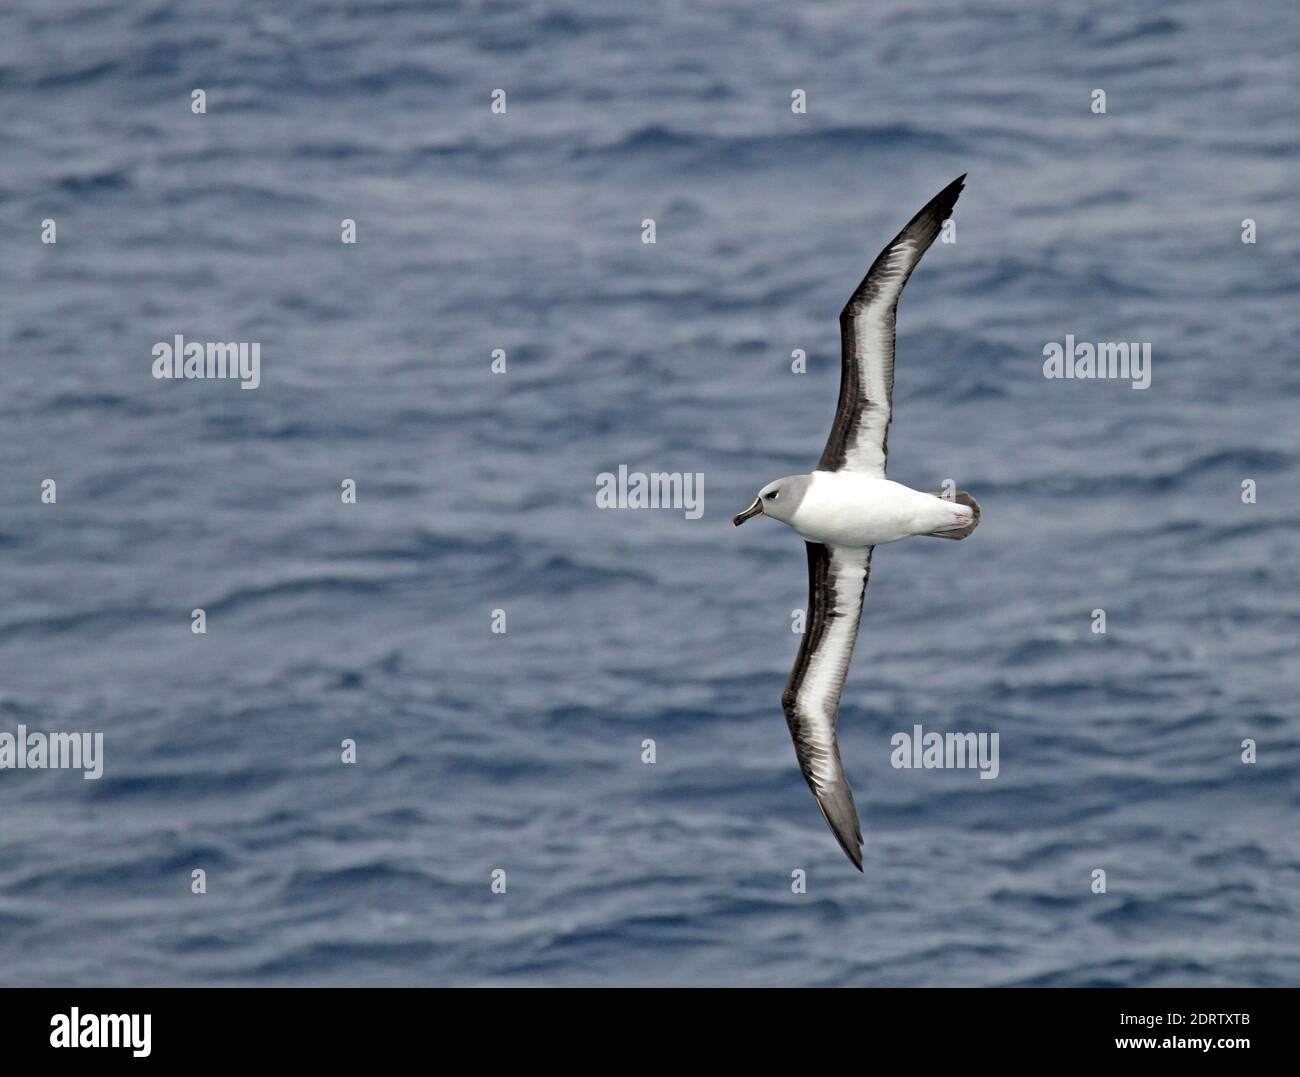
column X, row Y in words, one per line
column 837, row 581
column 860, row 432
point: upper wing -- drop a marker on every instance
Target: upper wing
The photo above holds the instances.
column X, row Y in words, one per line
column 837, row 580
column 857, row 441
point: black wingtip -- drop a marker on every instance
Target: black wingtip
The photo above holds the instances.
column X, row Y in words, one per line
column 852, row 851
column 841, row 815
column 924, row 227
column 947, row 198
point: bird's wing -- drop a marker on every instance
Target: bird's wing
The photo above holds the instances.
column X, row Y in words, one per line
column 858, row 436
column 837, row 580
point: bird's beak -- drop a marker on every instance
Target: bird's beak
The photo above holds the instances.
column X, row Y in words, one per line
column 756, row 509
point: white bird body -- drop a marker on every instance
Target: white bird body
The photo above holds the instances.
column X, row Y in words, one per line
column 846, row 508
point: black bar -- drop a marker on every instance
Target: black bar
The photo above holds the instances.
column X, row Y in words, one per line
column 345, row 1026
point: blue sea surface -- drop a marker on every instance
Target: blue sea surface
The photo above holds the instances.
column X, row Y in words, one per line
column 480, row 751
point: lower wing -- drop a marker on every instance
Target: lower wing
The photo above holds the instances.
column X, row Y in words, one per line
column 837, row 580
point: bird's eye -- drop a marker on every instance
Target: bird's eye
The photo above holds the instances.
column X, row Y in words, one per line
column 772, row 495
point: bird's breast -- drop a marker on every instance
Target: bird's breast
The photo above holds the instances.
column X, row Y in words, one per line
column 844, row 509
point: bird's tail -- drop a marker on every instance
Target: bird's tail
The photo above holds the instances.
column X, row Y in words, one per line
column 961, row 497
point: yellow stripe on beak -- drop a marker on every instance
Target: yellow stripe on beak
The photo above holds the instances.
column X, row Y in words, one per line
column 756, row 509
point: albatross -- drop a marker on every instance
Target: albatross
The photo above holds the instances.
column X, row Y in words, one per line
column 846, row 508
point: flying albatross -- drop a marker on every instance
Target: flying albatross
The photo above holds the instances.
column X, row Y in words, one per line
column 846, row 508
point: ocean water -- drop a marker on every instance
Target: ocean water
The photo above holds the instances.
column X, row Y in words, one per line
column 480, row 751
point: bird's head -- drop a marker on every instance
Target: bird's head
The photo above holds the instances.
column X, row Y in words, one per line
column 777, row 499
